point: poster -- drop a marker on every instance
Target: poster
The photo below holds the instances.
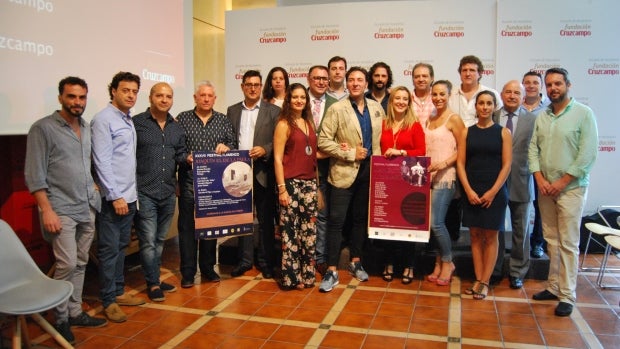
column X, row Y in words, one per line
column 222, row 194
column 399, row 198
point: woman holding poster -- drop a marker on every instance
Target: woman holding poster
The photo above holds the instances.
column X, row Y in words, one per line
column 401, row 135
column 295, row 155
column 442, row 131
column 483, row 164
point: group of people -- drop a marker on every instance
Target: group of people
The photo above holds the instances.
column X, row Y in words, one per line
column 311, row 148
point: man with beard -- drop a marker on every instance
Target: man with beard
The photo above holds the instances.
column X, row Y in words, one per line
column 58, row 175
column 561, row 154
column 114, row 155
column 423, row 76
column 380, row 76
column 160, row 147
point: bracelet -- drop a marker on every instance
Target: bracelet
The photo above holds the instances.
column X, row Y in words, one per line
column 282, row 192
column 281, row 185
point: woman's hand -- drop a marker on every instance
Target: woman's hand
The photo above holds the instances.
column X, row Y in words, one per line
column 487, row 199
column 473, row 198
column 392, row 152
column 284, row 198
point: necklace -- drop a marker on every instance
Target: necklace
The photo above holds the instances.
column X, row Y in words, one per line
column 307, row 135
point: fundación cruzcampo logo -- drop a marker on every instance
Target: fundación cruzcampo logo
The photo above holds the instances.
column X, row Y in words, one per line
column 541, row 68
column 449, row 30
column 576, row 28
column 272, row 36
column 389, row 31
column 603, row 68
column 325, row 33
column 517, row 30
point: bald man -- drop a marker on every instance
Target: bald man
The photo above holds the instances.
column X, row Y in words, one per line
column 516, row 118
column 160, row 147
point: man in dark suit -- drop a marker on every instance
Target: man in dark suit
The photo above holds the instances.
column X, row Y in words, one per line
column 253, row 123
column 520, row 182
column 320, row 101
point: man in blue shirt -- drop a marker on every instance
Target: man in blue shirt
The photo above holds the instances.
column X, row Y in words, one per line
column 114, row 154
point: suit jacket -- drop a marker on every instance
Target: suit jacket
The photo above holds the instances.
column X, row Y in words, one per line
column 520, row 180
column 323, row 164
column 263, row 136
column 340, row 125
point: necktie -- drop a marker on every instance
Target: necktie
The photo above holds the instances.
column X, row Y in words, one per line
column 316, row 112
column 509, row 122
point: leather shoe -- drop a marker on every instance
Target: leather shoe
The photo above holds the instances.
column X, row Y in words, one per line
column 515, row 282
column 185, row 283
column 267, row 274
column 544, row 296
column 536, row 251
column 563, row 309
column 210, row 275
column 496, row 279
column 240, row 270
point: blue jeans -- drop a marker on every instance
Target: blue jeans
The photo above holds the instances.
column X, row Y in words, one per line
column 113, row 233
column 440, row 201
column 152, row 223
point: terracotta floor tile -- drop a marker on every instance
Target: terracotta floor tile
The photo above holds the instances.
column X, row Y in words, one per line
column 609, row 341
column 391, row 323
column 242, row 308
column 518, row 320
column 508, row 292
column 158, row 333
column 354, row 320
column 556, row 323
column 205, row 303
column 364, row 295
column 200, row 340
column 426, row 326
column 126, row 329
column 281, row 345
column 481, row 331
column 221, row 325
column 99, row 341
column 136, row 344
column 275, row 311
column 255, row 329
column 255, row 297
column 178, row 319
column 308, row 314
column 598, row 314
column 238, row 343
column 479, row 317
column 381, row 342
column 176, row 298
column 266, row 286
column 481, row 305
column 147, row 315
column 513, row 307
column 603, row 326
column 292, row 334
column 395, row 309
column 520, row 335
column 291, row 299
column 564, row 339
column 433, row 313
column 362, row 307
column 394, row 297
column 343, row 340
column 432, row 301
column 420, row 343
column 317, row 302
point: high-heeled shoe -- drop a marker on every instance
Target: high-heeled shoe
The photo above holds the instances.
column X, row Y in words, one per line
column 388, row 273
column 446, row 282
column 474, row 286
column 408, row 276
column 433, row 277
column 482, row 291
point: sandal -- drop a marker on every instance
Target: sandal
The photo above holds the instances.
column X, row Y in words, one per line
column 474, row 286
column 408, row 276
column 446, row 281
column 388, row 273
column 482, row 291
column 433, row 277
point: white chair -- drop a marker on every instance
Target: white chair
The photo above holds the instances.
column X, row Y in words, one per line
column 25, row 290
column 605, row 232
column 599, row 211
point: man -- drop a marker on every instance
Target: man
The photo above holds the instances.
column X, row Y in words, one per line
column 534, row 101
column 58, row 164
column 114, row 154
column 356, row 122
column 337, row 68
column 379, row 85
column 253, row 122
column 205, row 130
column 423, row 76
column 462, row 101
column 561, row 155
column 161, row 145
column 320, row 102
column 520, row 122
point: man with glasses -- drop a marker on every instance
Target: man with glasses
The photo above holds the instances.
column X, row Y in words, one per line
column 320, row 101
column 253, row 122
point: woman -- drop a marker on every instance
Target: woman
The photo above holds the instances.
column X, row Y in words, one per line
column 401, row 135
column 442, row 132
column 295, row 154
column 483, row 164
column 276, row 85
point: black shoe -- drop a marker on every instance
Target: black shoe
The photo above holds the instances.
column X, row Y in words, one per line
column 537, row 251
column 240, row 270
column 65, row 330
column 186, row 283
column 267, row 274
column 515, row 282
column 156, row 294
column 167, row 287
column 544, row 296
column 85, row 320
column 495, row 279
column 563, row 309
column 210, row 275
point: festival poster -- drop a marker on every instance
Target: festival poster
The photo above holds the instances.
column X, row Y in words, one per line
column 222, row 194
column 399, row 198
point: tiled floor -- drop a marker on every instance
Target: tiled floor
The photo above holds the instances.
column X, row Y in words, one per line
column 251, row 312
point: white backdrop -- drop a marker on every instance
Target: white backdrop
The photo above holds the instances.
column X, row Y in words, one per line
column 510, row 37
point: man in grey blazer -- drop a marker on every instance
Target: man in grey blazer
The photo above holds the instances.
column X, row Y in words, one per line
column 520, row 182
column 253, row 123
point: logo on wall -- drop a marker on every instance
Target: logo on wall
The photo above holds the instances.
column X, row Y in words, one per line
column 607, row 144
column 273, row 36
column 541, row 65
column 325, row 33
column 389, row 31
column 243, row 69
column 454, row 29
column 489, row 68
column 522, row 29
column 298, row 71
column 604, row 67
column 576, row 28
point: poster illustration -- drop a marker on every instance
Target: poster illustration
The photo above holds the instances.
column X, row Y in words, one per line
column 222, row 194
column 399, row 205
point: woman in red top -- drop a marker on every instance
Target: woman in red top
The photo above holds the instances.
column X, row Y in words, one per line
column 401, row 135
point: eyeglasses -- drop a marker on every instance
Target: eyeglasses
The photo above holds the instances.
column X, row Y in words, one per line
column 248, row 85
column 320, row 78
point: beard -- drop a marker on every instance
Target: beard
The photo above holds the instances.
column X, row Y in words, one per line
column 73, row 111
column 557, row 99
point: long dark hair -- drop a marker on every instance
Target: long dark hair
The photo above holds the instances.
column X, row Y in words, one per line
column 287, row 112
column 268, row 92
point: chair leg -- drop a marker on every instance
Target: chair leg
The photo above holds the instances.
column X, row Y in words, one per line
column 17, row 335
column 52, row 331
column 25, row 336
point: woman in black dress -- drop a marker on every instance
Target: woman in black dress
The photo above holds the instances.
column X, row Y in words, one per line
column 483, row 164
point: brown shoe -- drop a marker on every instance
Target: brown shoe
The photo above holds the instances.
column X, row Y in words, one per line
column 114, row 313
column 127, row 299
